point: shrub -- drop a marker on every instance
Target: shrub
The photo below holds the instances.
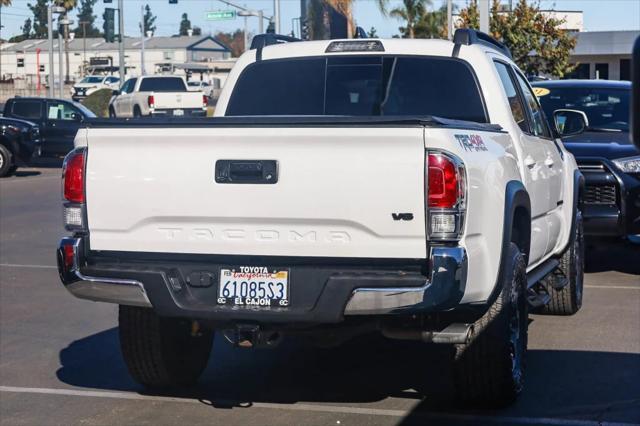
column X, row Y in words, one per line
column 98, row 102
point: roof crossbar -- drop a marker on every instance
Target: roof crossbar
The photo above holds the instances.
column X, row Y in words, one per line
column 261, row 40
column 467, row 37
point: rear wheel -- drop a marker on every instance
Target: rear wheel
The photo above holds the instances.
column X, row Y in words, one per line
column 136, row 112
column 489, row 370
column 162, row 352
column 6, row 161
column 568, row 300
column 112, row 112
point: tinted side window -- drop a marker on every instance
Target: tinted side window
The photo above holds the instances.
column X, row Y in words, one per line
column 162, row 84
column 538, row 124
column 60, row 111
column 515, row 100
column 26, row 109
column 126, row 87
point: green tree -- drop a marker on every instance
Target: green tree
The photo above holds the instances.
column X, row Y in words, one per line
column 197, row 31
column 39, row 10
column 149, row 20
column 537, row 43
column 185, row 25
column 85, row 14
column 411, row 12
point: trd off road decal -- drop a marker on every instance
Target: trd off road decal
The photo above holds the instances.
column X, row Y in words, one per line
column 471, row 142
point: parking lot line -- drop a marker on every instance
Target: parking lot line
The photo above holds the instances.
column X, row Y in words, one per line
column 316, row 408
column 16, row 265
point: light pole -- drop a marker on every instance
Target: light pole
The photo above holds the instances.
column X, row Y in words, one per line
column 276, row 15
column 142, row 34
column 50, row 11
column 84, row 46
column 121, row 42
column 246, row 13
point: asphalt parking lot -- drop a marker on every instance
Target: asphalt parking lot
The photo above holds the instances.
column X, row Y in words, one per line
column 60, row 361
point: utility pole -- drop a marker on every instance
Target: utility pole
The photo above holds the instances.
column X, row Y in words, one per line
column 276, row 15
column 142, row 32
column 484, row 7
column 60, row 62
column 449, row 20
column 52, row 77
column 84, row 46
column 121, row 41
column 50, row 36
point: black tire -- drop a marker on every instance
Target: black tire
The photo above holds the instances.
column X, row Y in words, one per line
column 568, row 300
column 162, row 352
column 136, row 112
column 12, row 170
column 488, row 371
column 6, row 161
column 112, row 112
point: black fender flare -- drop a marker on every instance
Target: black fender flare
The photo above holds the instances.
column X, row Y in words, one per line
column 516, row 196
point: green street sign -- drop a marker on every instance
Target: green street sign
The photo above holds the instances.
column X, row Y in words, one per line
column 220, row 15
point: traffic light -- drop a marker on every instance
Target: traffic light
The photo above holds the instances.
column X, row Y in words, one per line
column 173, row 1
column 109, row 26
column 304, row 29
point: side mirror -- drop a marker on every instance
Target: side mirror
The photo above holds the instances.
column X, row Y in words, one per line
column 115, row 92
column 569, row 122
column 76, row 117
column 635, row 94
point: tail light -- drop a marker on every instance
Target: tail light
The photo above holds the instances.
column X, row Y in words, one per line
column 205, row 101
column 73, row 185
column 151, row 101
column 446, row 196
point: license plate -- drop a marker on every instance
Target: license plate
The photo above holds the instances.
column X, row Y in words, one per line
column 178, row 112
column 253, row 286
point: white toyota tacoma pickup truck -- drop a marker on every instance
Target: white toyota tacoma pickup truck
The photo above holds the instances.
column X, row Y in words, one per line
column 157, row 95
column 408, row 187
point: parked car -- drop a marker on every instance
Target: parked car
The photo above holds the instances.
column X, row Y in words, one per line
column 391, row 186
column 200, row 86
column 19, row 141
column 608, row 160
column 58, row 120
column 157, row 95
column 93, row 83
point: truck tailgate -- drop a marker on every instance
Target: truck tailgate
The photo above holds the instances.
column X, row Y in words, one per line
column 338, row 189
column 172, row 100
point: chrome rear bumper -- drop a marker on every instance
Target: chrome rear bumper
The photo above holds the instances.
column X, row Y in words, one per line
column 121, row 291
column 447, row 283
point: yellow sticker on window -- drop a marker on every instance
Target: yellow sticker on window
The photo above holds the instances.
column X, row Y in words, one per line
column 541, row 91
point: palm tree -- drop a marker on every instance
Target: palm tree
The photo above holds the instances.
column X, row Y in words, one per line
column 68, row 5
column 412, row 12
column 318, row 15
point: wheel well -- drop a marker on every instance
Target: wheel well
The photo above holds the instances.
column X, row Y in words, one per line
column 521, row 232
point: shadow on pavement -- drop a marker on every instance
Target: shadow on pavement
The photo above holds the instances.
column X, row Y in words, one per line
column 565, row 384
column 26, row 173
column 47, row 162
column 621, row 256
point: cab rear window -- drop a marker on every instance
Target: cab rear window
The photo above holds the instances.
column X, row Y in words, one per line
column 359, row 86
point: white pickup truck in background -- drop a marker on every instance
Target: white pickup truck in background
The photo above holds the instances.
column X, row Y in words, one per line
column 157, row 96
column 408, row 187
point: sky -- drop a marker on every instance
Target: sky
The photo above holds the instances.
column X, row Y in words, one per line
column 599, row 15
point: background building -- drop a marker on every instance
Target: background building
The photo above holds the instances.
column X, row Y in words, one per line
column 30, row 58
column 604, row 54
